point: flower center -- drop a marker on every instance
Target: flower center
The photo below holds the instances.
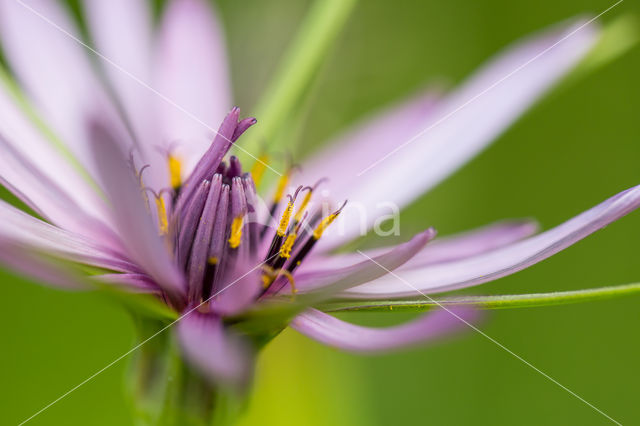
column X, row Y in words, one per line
column 218, row 228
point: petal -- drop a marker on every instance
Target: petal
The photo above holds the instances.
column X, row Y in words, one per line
column 367, row 270
column 464, row 123
column 447, row 249
column 122, row 32
column 132, row 222
column 191, row 71
column 35, row 266
column 30, row 233
column 501, row 262
column 41, row 45
column 23, row 150
column 215, row 351
column 355, row 149
column 355, row 338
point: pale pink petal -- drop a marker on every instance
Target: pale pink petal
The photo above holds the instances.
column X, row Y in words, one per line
column 366, row 141
column 465, row 122
column 123, row 35
column 365, row 271
column 217, row 353
column 54, row 69
column 24, row 230
column 133, row 223
column 191, row 71
column 24, row 149
column 33, row 265
column 355, row 338
column 501, row 262
column 447, row 249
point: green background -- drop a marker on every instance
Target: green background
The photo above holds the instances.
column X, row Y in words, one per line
column 575, row 148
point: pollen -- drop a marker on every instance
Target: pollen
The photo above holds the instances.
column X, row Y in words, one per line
column 213, row 260
column 175, row 171
column 282, row 185
column 259, row 168
column 163, row 223
column 324, row 224
column 236, row 232
column 285, row 250
column 284, row 221
column 305, row 202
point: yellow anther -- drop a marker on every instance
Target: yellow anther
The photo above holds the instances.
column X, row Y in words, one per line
column 213, row 260
column 266, row 280
column 285, row 250
column 269, row 275
column 322, row 226
column 163, row 223
column 284, row 221
column 236, row 232
column 258, row 168
column 303, row 206
column 282, row 185
column 289, row 278
column 175, row 171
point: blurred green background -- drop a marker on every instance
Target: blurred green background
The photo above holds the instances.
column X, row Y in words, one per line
column 575, row 148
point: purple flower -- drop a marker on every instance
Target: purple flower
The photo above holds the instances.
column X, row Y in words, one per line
column 79, row 146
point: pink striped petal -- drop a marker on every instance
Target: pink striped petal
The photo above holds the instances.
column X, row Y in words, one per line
column 355, row 338
column 191, row 71
column 216, row 352
column 465, row 122
column 501, row 262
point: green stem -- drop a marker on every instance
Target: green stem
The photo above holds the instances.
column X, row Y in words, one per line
column 317, row 32
column 166, row 391
column 488, row 302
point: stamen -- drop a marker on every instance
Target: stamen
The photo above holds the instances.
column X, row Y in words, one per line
column 258, row 169
column 269, row 275
column 175, row 171
column 285, row 250
column 161, row 209
column 324, row 224
column 163, row 222
column 282, row 185
column 236, row 232
column 284, row 221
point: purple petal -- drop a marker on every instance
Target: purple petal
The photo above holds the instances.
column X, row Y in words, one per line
column 133, row 224
column 216, row 352
column 202, row 241
column 367, row 270
column 465, row 122
column 355, row 338
column 192, row 72
column 501, row 262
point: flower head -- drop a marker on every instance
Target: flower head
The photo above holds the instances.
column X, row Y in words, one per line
column 185, row 224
